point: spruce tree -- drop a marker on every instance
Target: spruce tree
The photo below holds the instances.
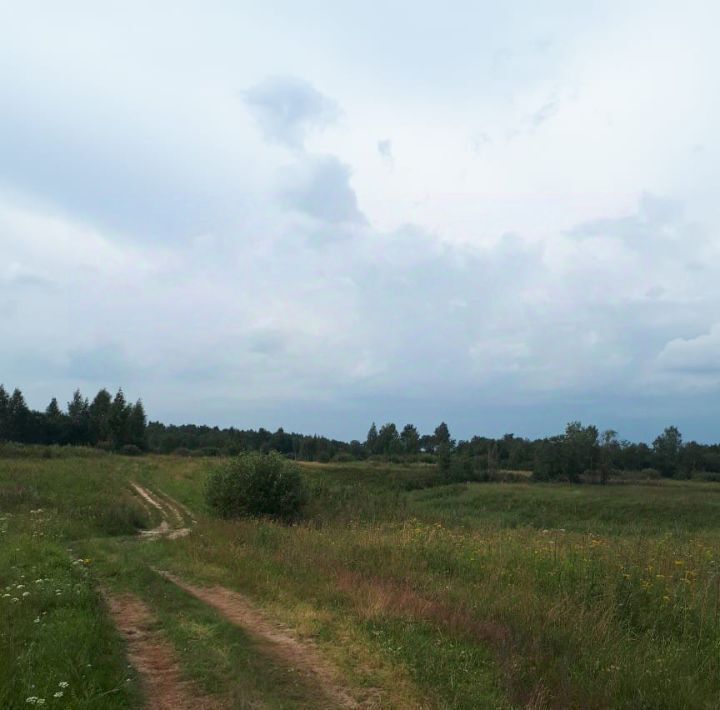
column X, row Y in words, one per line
column 118, row 420
column 136, row 426
column 99, row 417
column 372, row 439
column 19, row 418
column 79, row 415
column 4, row 413
column 54, row 421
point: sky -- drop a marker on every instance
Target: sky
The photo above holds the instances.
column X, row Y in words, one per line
column 318, row 215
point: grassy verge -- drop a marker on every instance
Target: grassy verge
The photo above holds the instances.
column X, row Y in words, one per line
column 57, row 647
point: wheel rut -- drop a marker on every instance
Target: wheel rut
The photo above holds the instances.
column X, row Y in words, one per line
column 275, row 640
column 172, row 524
column 153, row 657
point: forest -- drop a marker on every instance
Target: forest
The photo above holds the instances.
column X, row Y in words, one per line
column 581, row 452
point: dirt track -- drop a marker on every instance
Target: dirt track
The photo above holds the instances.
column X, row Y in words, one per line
column 275, row 640
column 153, row 657
column 168, row 509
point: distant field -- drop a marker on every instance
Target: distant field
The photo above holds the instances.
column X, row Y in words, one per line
column 391, row 594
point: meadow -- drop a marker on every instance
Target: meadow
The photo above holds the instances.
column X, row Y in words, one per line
column 483, row 595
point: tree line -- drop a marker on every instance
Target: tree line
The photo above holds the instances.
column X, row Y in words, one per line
column 385, row 442
column 581, row 452
column 107, row 422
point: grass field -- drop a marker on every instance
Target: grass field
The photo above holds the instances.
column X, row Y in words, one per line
column 461, row 596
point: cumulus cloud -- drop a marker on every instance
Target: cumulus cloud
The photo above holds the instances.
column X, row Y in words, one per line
column 696, row 358
column 656, row 219
column 287, row 109
column 319, row 187
column 385, row 150
column 151, row 233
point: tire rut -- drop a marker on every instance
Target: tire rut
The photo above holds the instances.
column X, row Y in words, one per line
column 164, row 529
column 276, row 640
column 153, row 657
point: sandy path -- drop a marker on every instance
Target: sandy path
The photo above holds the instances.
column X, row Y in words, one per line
column 153, row 657
column 179, row 509
column 165, row 529
column 275, row 640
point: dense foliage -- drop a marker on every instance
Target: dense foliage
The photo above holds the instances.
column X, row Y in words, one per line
column 580, row 453
column 255, row 485
column 107, row 422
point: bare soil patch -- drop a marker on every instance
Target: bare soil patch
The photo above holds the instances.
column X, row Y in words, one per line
column 154, row 658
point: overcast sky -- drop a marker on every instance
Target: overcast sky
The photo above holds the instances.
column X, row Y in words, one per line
column 319, row 214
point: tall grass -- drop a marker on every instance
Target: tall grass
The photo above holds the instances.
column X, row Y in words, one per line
column 585, row 596
column 57, row 647
column 463, row 596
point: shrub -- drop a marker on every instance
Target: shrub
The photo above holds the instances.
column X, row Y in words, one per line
column 131, row 450
column 14, row 450
column 182, row 451
column 253, row 485
column 710, row 476
column 323, row 457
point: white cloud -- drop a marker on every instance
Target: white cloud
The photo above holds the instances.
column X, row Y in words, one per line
column 692, row 361
column 319, row 186
column 548, row 227
column 287, row 108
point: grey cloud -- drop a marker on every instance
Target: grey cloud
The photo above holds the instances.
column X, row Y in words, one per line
column 287, row 108
column 102, row 363
column 319, row 187
column 385, row 150
column 545, row 112
column 652, row 220
column 112, row 174
column 266, row 342
column 699, row 355
column 17, row 276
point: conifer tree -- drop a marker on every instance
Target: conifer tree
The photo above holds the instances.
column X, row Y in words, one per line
column 136, row 426
column 4, row 413
column 78, row 411
column 118, row 420
column 99, row 417
column 372, row 439
column 18, row 417
column 54, row 421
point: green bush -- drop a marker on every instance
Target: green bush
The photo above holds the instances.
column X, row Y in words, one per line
column 254, row 485
column 15, row 450
column 131, row 450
